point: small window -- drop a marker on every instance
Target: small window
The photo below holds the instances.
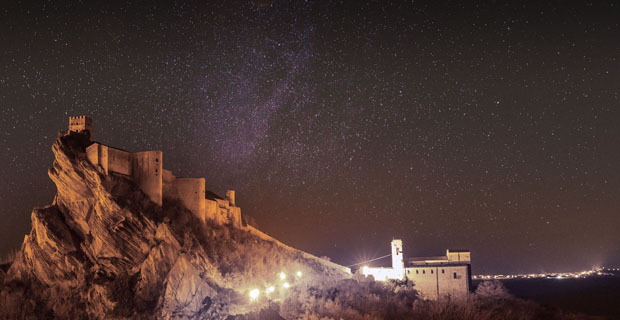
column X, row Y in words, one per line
column 417, row 271
column 156, row 160
column 443, row 271
column 408, row 271
column 423, row 271
column 455, row 275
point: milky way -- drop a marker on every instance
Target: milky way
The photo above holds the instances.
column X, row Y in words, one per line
column 340, row 124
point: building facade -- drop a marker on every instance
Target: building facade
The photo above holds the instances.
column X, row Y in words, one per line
column 147, row 171
column 442, row 277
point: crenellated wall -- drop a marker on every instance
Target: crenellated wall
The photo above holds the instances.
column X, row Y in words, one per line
column 81, row 123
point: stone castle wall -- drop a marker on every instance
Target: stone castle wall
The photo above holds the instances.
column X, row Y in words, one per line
column 191, row 192
column 224, row 212
column 147, row 173
column 110, row 159
column 211, row 211
column 146, row 170
column 119, row 161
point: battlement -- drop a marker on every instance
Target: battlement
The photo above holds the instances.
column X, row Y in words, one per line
column 81, row 123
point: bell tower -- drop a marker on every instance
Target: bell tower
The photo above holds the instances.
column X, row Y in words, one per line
column 398, row 263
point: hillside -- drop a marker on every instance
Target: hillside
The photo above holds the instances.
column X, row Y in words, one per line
column 103, row 249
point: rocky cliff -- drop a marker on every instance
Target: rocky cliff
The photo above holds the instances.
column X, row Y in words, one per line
column 102, row 249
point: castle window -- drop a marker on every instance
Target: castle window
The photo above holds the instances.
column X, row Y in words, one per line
column 417, row 271
column 443, row 271
column 423, row 271
column 431, row 271
column 455, row 275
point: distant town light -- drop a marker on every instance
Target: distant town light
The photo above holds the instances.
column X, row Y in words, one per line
column 282, row 275
column 270, row 289
column 299, row 274
column 254, row 293
column 285, row 285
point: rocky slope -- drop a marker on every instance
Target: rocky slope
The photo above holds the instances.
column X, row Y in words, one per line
column 103, row 250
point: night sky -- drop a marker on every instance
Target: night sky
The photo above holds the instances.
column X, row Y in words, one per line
column 341, row 125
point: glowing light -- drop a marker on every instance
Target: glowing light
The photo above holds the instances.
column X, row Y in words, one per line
column 270, row 289
column 282, row 275
column 285, row 285
column 254, row 293
column 299, row 274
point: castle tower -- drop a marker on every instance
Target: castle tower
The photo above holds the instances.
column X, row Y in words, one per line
column 81, row 123
column 230, row 196
column 398, row 263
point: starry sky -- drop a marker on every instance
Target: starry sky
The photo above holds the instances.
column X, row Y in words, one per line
column 341, row 124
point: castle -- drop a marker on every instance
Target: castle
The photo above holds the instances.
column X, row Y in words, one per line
column 147, row 171
column 435, row 278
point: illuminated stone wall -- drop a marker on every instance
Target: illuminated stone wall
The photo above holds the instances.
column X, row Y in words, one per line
column 93, row 154
column 147, row 173
column 169, row 189
column 191, row 192
column 119, row 161
column 80, row 123
column 223, row 212
column 459, row 255
column 440, row 282
column 110, row 159
column 146, row 169
column 211, row 211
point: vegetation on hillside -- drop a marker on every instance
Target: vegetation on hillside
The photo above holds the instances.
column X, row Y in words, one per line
column 362, row 299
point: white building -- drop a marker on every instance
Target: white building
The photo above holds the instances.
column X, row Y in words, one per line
column 435, row 278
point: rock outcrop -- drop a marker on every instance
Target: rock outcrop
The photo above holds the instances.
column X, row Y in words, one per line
column 102, row 249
